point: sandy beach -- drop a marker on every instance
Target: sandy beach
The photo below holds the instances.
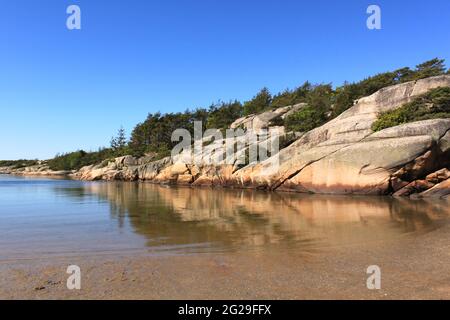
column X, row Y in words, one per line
column 412, row 268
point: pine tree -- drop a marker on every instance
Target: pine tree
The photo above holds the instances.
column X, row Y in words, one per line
column 120, row 141
column 434, row 67
column 121, row 138
column 261, row 102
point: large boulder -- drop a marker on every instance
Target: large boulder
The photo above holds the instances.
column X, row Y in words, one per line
column 438, row 191
column 444, row 143
column 263, row 120
column 151, row 170
column 345, row 156
column 125, row 161
column 360, row 168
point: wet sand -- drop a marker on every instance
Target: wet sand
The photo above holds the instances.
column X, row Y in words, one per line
column 412, row 268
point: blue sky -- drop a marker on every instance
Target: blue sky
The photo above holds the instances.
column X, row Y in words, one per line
column 63, row 90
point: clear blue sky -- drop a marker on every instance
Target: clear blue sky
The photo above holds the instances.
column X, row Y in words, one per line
column 62, row 90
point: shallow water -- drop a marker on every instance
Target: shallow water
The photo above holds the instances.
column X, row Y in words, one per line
column 42, row 217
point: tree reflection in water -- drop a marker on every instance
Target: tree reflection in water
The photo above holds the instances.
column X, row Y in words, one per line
column 227, row 220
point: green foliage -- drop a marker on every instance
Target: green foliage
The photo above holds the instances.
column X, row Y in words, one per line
column 78, row 159
column 17, row 164
column 155, row 133
column 434, row 67
column 119, row 142
column 291, row 97
column 260, row 103
column 347, row 94
column 304, row 120
column 320, row 97
column 323, row 103
column 285, row 98
column 313, row 115
column 434, row 104
column 220, row 116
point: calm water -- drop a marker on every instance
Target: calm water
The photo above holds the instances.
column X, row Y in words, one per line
column 45, row 217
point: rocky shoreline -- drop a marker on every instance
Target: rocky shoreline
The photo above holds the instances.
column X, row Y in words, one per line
column 344, row 156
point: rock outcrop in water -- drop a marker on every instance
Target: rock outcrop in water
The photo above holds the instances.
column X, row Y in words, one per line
column 344, row 156
column 40, row 169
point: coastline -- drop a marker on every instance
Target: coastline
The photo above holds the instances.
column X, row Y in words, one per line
column 331, row 270
column 441, row 192
column 221, row 159
column 346, row 155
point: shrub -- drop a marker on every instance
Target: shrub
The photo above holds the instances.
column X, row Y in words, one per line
column 78, row 159
column 17, row 164
column 153, row 135
column 315, row 113
column 431, row 105
column 292, row 97
column 348, row 93
column 305, row 119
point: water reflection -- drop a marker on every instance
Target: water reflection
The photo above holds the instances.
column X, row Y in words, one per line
column 228, row 220
column 44, row 216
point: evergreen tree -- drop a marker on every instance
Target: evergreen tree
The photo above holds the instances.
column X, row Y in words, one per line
column 285, row 98
column 120, row 141
column 434, row 67
column 221, row 115
column 261, row 102
column 322, row 103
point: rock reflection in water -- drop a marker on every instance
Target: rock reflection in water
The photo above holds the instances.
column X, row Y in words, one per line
column 223, row 219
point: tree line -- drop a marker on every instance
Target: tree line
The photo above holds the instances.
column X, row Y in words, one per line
column 322, row 103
